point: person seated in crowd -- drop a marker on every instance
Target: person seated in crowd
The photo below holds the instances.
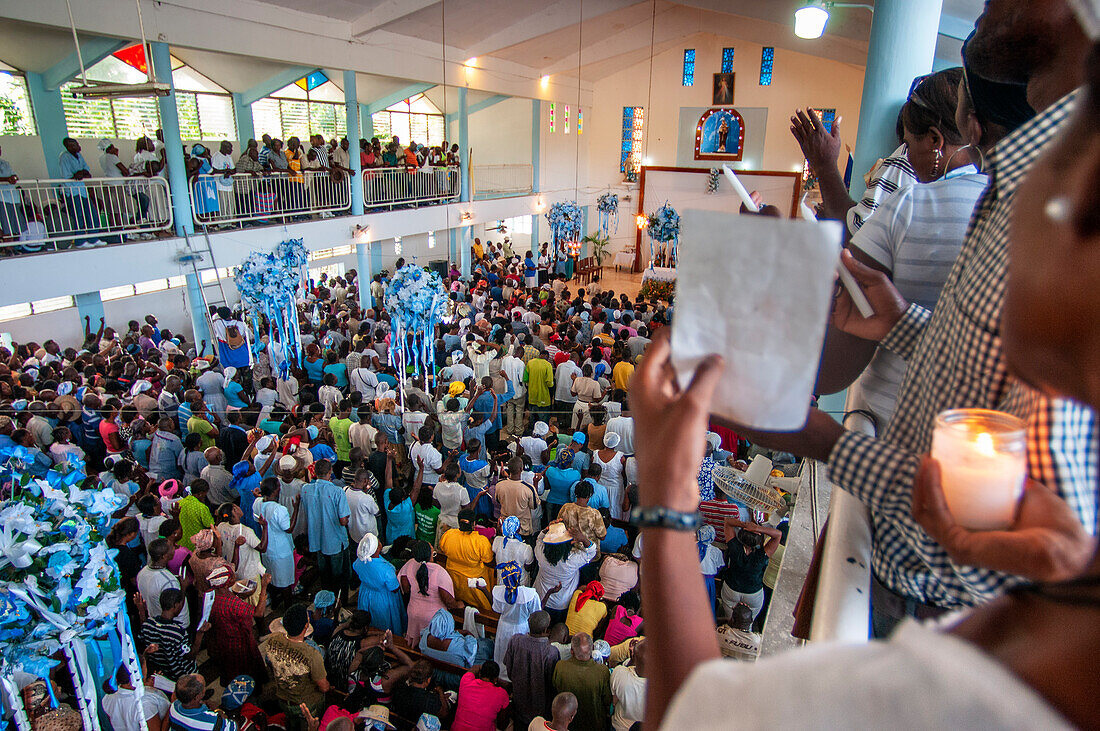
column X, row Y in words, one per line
column 442, row 641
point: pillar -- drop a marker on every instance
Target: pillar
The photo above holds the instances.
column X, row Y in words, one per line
column 243, row 113
column 351, row 104
column 452, row 245
column 536, row 154
column 902, row 46
column 196, row 305
column 465, row 243
column 375, row 257
column 90, row 305
column 366, row 123
column 464, row 146
column 49, row 114
column 366, row 273
column 173, row 146
column 535, row 234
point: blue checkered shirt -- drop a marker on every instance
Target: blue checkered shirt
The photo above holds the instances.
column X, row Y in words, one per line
column 956, row 359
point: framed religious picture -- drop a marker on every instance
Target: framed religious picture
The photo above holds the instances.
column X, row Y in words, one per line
column 720, row 135
column 723, row 89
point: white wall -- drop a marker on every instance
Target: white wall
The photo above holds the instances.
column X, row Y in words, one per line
column 500, row 134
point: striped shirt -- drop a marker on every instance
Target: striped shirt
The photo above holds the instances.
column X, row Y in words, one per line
column 322, row 155
column 170, row 659
column 916, row 234
column 891, row 174
column 197, row 719
column 956, row 360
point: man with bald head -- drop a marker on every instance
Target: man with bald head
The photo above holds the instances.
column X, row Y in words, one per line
column 589, row 681
column 562, row 713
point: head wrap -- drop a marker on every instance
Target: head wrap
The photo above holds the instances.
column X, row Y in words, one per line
column 169, row 488
column 601, row 651
column 579, row 438
column 442, row 625
column 367, row 548
column 287, row 462
column 703, row 538
column 509, row 576
column 594, row 590
column 240, row 470
column 714, row 440
column 509, row 528
column 228, row 373
column 312, row 431
column 565, row 458
column 541, row 429
column 219, row 576
column 428, row 722
column 611, row 439
column 200, row 364
column 456, row 388
column 65, row 388
column 203, row 540
column 197, row 149
column 1002, row 103
column 237, row 692
column 103, row 145
column 324, row 599
column 140, row 386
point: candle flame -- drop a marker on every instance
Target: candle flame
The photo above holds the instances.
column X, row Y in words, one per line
column 984, row 445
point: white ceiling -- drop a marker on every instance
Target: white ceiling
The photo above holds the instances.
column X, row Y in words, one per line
column 561, row 37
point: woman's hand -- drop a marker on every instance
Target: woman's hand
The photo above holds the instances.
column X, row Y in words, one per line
column 883, row 296
column 1045, row 542
column 671, row 426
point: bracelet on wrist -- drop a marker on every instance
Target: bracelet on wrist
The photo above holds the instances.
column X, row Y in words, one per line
column 661, row 517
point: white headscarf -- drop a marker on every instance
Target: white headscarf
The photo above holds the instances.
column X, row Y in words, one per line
column 228, row 373
column 367, row 547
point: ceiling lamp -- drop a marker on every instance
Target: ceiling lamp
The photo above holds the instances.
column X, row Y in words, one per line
column 810, row 19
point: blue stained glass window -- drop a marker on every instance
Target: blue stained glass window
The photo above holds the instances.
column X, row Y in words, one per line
column 727, row 60
column 689, row 67
column 827, row 117
column 767, row 60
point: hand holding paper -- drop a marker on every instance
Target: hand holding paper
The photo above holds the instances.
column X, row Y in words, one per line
column 756, row 291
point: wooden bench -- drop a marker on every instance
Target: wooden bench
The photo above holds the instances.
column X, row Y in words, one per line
column 488, row 622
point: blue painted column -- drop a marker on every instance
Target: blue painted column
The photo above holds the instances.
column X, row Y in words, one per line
column 902, row 46
column 245, row 129
column 366, row 122
column 362, row 256
column 49, row 114
column 452, row 245
column 464, row 144
column 196, row 307
column 173, row 146
column 90, row 305
column 535, row 233
column 351, row 103
column 536, row 154
column 376, row 256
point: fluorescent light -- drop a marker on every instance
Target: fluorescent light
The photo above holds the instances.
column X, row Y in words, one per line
column 471, row 62
column 810, row 20
column 545, row 81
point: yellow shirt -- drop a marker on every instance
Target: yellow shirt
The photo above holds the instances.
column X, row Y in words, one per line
column 588, row 618
column 621, row 374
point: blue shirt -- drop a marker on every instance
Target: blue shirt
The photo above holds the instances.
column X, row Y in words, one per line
column 70, row 164
column 529, row 268
column 390, row 424
column 341, row 372
column 325, row 504
column 478, row 432
column 615, row 540
column 581, row 461
column 233, row 395
column 244, row 487
column 560, row 483
column 400, row 519
column 322, row 451
column 599, row 497
column 183, row 413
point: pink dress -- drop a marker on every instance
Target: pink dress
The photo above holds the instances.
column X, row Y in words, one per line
column 621, row 627
column 422, row 608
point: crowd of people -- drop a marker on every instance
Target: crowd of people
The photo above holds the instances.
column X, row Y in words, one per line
column 453, row 551
column 288, row 178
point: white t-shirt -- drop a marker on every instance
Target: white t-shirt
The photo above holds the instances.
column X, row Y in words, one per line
column 109, row 163
column 563, row 378
column 919, row 678
column 513, row 367
column 628, row 691
column 433, row 461
column 567, row 571
column 150, row 528
column 451, row 497
column 364, row 512
column 452, row 423
column 248, row 559
column 127, row 712
column 137, row 167
column 624, row 427
column 412, row 421
column 533, row 447
column 362, row 435
column 222, row 162
column 738, row 644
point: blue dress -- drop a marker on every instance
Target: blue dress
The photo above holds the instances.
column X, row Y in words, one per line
column 380, row 594
column 400, row 521
column 279, row 557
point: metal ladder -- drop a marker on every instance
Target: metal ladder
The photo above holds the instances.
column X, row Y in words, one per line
column 194, row 256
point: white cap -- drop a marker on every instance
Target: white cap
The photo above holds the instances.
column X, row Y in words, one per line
column 541, row 428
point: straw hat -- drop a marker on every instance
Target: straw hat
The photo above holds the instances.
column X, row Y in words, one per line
column 557, row 533
column 377, row 713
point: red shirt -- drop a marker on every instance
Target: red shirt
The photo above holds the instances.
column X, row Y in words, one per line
column 479, row 702
column 715, row 512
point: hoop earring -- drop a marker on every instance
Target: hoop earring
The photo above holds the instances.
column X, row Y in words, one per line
column 975, row 148
column 937, row 164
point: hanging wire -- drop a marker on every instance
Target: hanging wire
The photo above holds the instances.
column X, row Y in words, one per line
column 76, row 42
column 649, row 97
column 580, row 50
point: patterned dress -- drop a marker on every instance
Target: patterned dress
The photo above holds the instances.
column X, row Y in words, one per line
column 235, row 650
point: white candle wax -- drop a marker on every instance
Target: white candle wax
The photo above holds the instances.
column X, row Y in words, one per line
column 983, row 468
column 740, row 190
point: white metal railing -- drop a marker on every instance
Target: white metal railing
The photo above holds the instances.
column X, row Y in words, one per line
column 220, row 199
column 842, row 605
column 496, row 179
column 58, row 214
column 396, row 186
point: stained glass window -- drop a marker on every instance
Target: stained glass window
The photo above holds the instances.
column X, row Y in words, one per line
column 689, row 67
column 633, row 132
column 767, row 60
column 727, row 60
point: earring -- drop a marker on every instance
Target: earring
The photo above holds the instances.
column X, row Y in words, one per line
column 937, row 164
column 1058, row 209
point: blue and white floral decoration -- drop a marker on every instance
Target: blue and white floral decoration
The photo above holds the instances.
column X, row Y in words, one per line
column 664, row 227
column 416, row 301
column 607, row 211
column 269, row 282
column 564, row 218
column 60, row 588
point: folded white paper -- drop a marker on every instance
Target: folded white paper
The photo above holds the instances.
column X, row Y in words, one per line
column 756, row 291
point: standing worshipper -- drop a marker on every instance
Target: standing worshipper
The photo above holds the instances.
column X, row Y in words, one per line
column 530, row 660
column 469, row 561
column 379, row 589
column 509, row 546
column 327, row 513
column 233, row 623
column 429, row 588
column 561, row 556
column 515, row 604
column 589, row 681
column 278, row 559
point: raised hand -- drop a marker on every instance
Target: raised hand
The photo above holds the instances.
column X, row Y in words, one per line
column 819, row 145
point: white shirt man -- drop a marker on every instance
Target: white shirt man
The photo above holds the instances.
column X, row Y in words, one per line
column 151, row 582
column 512, row 368
column 364, row 511
column 563, row 381
column 452, row 497
column 127, row 712
column 628, row 690
column 221, row 161
column 433, row 460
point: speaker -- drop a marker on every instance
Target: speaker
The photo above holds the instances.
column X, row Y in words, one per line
column 439, row 267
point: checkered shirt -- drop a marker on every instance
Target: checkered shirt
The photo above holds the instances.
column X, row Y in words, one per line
column 956, row 360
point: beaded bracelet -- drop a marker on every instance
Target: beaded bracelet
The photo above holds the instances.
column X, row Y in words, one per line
column 661, row 517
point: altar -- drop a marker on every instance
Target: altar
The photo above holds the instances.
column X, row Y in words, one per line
column 658, row 283
column 660, row 274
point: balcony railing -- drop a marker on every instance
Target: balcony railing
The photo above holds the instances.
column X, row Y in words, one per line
column 384, row 187
column 218, row 200
column 60, row 214
column 497, row 180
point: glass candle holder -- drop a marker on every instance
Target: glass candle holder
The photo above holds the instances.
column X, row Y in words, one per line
column 983, row 465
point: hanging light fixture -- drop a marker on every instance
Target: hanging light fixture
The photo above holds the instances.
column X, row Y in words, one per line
column 810, row 19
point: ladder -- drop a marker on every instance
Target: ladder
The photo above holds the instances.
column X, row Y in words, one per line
column 196, row 253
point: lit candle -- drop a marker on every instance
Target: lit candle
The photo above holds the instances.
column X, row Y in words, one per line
column 983, row 464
